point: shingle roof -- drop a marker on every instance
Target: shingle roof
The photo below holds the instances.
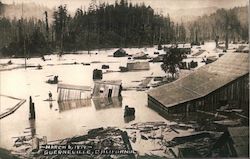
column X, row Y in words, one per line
column 203, row 81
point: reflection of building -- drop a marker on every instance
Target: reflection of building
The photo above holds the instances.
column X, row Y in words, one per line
column 73, row 104
column 224, row 80
column 106, row 103
column 128, row 119
column 107, row 89
column 140, row 55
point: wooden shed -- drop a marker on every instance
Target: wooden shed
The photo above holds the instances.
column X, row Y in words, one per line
column 120, row 53
column 72, row 92
column 223, row 80
column 107, row 89
column 135, row 66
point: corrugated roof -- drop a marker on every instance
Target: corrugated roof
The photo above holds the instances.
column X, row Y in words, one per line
column 203, row 81
column 240, row 137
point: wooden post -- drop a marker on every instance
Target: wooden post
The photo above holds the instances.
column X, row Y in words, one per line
column 32, row 114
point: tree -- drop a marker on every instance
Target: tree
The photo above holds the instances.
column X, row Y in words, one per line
column 47, row 25
column 171, row 61
column 60, row 17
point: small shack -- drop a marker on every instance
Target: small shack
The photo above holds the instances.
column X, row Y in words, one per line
column 188, row 65
column 133, row 66
column 120, row 53
column 243, row 48
column 211, row 59
column 159, row 58
column 184, row 48
column 107, row 89
column 203, row 89
column 140, row 55
column 72, row 92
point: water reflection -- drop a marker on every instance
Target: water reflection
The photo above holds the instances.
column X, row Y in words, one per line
column 50, row 105
column 106, row 103
column 73, row 104
column 32, row 127
column 128, row 119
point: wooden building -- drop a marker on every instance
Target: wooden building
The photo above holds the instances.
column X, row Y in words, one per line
column 107, row 89
column 224, row 81
column 120, row 53
column 72, row 92
column 135, row 66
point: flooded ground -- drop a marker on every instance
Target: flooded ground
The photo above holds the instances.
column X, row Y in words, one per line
column 54, row 123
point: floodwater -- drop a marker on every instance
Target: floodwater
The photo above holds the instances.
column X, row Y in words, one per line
column 57, row 123
column 52, row 120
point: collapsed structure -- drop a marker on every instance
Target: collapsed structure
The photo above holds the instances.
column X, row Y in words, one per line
column 224, row 81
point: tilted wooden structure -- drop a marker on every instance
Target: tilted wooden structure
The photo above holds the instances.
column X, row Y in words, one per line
column 72, row 92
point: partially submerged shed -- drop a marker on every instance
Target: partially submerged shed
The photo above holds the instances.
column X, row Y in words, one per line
column 133, row 66
column 72, row 92
column 243, row 48
column 107, row 89
column 224, row 80
column 120, row 53
column 140, row 55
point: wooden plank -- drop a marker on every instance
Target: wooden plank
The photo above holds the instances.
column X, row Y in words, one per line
column 13, row 109
column 73, row 87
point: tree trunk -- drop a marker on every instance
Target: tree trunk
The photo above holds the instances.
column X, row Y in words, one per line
column 226, row 40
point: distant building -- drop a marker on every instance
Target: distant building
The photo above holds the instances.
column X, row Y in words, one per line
column 68, row 92
column 243, row 48
column 223, row 80
column 140, row 55
column 133, row 66
column 120, row 53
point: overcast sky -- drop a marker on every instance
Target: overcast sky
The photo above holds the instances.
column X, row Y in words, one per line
column 156, row 4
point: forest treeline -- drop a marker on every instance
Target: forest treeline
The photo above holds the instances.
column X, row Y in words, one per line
column 106, row 25
column 227, row 25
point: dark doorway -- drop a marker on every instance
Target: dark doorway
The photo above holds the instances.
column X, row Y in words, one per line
column 110, row 93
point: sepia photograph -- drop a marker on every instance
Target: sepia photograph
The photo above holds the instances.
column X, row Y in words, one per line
column 124, row 79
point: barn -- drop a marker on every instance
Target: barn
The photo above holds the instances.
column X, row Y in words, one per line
column 224, row 81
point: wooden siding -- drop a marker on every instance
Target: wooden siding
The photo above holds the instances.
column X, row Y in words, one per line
column 235, row 93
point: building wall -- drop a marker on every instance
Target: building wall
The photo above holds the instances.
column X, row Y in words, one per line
column 235, row 93
column 138, row 66
column 102, row 90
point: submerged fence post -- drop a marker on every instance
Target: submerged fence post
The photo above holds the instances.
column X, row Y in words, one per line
column 32, row 114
